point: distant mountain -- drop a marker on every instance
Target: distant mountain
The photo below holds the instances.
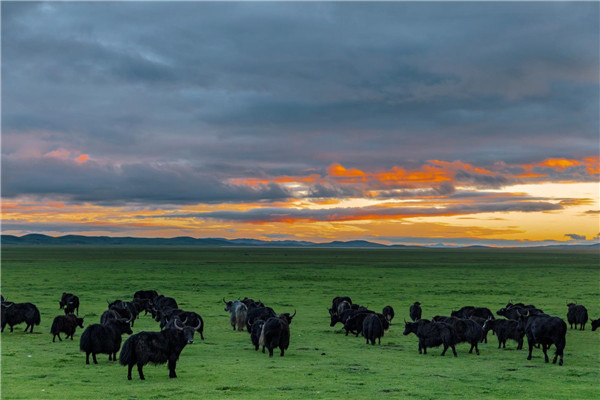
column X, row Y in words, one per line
column 70, row 240
column 38, row 239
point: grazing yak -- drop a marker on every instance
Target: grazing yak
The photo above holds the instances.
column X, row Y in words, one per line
column 256, row 313
column 466, row 330
column 157, row 348
column 415, row 311
column 545, row 330
column 70, row 302
column 513, row 311
column 432, row 334
column 470, row 311
column 144, row 299
column 335, row 303
column 238, row 311
column 354, row 322
column 595, row 324
column 16, row 313
column 577, row 314
column 109, row 315
column 161, row 302
column 388, row 313
column 67, row 324
column 505, row 329
column 255, row 333
column 103, row 338
column 374, row 326
column 276, row 333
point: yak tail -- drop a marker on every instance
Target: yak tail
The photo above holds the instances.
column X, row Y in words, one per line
column 261, row 339
column 127, row 355
column 241, row 315
column 36, row 316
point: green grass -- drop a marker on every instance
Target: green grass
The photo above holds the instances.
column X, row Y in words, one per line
column 321, row 362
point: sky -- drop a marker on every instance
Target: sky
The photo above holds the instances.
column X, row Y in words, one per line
column 394, row 122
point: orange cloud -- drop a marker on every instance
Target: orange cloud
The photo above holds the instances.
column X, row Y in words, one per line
column 338, row 171
column 82, row 158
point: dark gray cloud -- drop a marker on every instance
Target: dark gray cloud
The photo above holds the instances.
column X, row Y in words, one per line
column 137, row 183
column 574, row 236
column 270, row 87
column 277, row 214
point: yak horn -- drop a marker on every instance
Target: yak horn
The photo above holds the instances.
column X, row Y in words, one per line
column 224, row 300
column 292, row 316
column 199, row 324
column 175, row 323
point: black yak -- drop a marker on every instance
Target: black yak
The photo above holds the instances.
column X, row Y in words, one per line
column 546, row 331
column 469, row 311
column 70, row 302
column 388, row 313
column 415, row 311
column 432, row 334
column 595, row 324
column 276, row 333
column 374, row 326
column 67, row 324
column 103, row 338
column 156, row 348
column 16, row 313
column 505, row 329
column 255, row 333
column 466, row 330
column 577, row 314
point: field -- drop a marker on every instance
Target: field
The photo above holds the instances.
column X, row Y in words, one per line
column 321, row 362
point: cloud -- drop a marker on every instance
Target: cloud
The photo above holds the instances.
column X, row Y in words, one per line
column 574, row 236
column 291, row 215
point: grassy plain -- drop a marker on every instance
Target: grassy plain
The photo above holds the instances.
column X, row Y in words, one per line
column 321, row 362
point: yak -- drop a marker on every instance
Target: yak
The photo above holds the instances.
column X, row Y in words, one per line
column 255, row 333
column 595, row 324
column 67, row 324
column 16, row 313
column 545, row 330
column 374, row 326
column 577, row 314
column 415, row 311
column 276, row 333
column 466, row 330
column 354, row 322
column 470, row 311
column 70, row 302
column 103, row 338
column 257, row 313
column 157, row 348
column 388, row 313
column 238, row 311
column 505, row 329
column 432, row 334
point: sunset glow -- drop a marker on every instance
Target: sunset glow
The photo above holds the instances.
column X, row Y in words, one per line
column 409, row 137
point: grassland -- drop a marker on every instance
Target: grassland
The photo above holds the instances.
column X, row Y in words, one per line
column 321, row 362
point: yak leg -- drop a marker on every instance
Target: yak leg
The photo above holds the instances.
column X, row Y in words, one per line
column 172, row 373
column 282, row 350
column 270, row 351
column 476, row 348
column 545, row 350
column 445, row 348
column 58, row 337
column 454, row 351
column 140, row 366
column 129, row 368
column 530, row 344
column 94, row 357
